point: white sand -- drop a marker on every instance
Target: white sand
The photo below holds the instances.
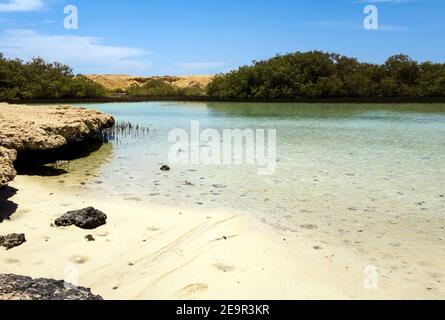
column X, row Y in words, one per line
column 150, row 252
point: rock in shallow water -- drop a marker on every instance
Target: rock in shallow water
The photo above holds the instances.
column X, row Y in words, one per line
column 12, row 240
column 13, row 287
column 88, row 218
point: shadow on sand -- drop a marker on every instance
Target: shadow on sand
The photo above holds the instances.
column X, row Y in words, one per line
column 50, row 163
column 7, row 208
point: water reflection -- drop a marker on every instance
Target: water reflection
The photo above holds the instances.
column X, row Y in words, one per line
column 319, row 110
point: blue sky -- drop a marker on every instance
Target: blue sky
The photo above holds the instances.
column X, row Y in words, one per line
column 148, row 37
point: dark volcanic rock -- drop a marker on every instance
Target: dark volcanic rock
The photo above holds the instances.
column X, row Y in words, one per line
column 13, row 287
column 88, row 218
column 165, row 168
column 12, row 240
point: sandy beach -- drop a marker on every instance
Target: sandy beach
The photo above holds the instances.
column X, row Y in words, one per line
column 147, row 251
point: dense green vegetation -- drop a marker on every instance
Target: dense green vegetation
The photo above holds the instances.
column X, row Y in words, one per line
column 159, row 88
column 308, row 75
column 37, row 79
column 317, row 74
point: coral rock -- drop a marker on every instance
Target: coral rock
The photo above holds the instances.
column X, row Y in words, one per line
column 13, row 287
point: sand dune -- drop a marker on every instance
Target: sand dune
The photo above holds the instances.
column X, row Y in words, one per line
column 120, row 81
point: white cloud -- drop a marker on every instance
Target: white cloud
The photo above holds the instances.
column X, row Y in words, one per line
column 20, row 5
column 84, row 54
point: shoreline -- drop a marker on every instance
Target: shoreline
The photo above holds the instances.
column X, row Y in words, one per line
column 148, row 251
column 395, row 100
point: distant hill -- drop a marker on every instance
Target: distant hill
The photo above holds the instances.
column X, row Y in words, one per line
column 123, row 82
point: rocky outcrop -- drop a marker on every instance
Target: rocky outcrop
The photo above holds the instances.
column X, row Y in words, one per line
column 12, row 240
column 37, row 128
column 13, row 287
column 31, row 128
column 7, row 172
column 88, row 218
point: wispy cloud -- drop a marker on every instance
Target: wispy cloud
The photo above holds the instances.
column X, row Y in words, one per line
column 20, row 5
column 85, row 54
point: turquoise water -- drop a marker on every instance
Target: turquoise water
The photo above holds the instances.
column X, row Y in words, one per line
column 367, row 177
column 325, row 153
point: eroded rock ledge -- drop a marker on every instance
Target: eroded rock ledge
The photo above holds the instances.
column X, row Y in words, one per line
column 32, row 128
column 13, row 287
column 29, row 128
column 7, row 172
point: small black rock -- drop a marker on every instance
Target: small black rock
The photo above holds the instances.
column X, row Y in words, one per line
column 90, row 238
column 12, row 240
column 165, row 168
column 88, row 218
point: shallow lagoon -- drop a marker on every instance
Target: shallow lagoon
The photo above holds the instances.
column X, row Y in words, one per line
column 367, row 178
